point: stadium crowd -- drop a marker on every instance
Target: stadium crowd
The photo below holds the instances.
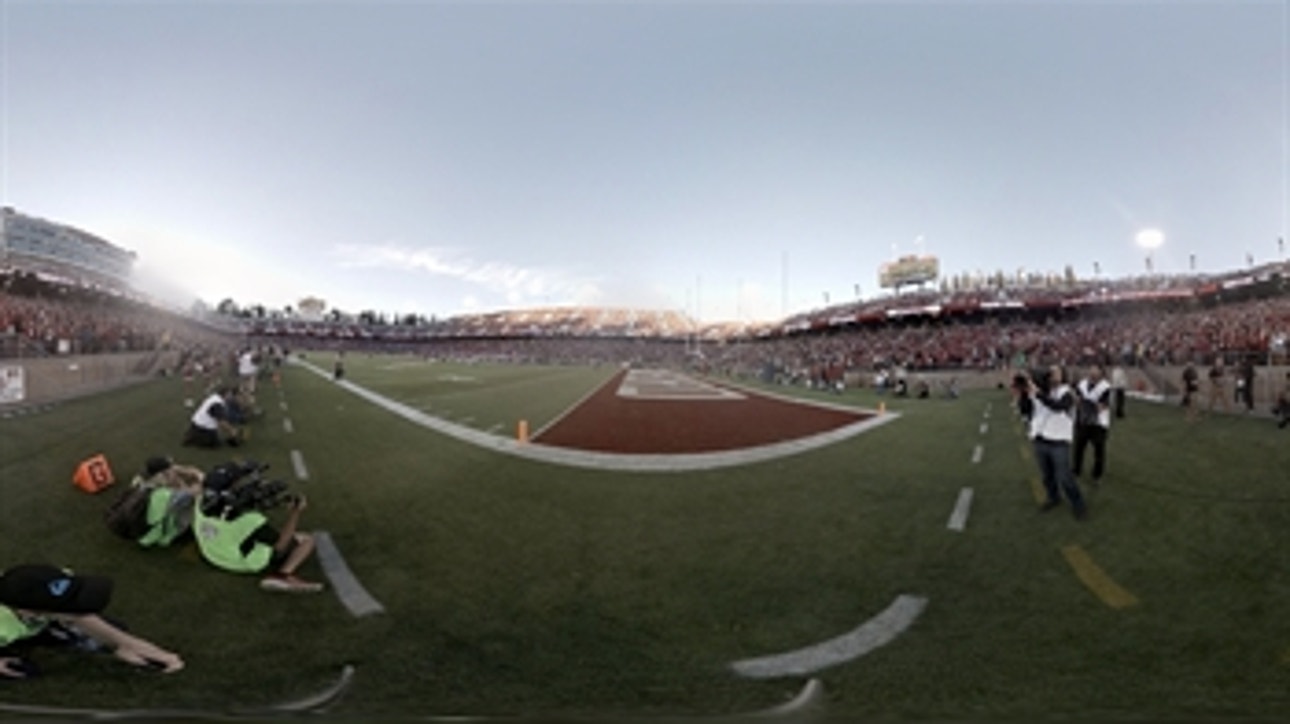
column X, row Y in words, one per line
column 919, row 332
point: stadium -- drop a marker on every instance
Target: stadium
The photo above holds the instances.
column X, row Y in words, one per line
column 623, row 513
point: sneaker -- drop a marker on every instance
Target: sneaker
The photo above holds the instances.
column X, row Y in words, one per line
column 289, row 584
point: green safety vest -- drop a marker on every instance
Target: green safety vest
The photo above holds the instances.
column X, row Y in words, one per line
column 163, row 529
column 14, row 629
column 220, row 541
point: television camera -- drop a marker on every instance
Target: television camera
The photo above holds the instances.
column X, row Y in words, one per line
column 233, row 488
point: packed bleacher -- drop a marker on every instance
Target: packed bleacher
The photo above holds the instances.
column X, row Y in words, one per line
column 1165, row 321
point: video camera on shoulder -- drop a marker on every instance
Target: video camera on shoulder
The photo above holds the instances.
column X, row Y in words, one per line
column 233, row 488
column 1042, row 379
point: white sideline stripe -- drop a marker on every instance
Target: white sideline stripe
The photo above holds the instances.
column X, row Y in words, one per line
column 298, row 462
column 810, row 697
column 286, row 424
column 977, row 452
column 985, row 427
column 635, row 462
column 351, row 593
column 958, row 518
column 872, row 634
column 307, row 704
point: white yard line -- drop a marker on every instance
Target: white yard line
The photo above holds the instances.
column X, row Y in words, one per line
column 958, row 518
column 977, row 453
column 872, row 634
column 298, row 462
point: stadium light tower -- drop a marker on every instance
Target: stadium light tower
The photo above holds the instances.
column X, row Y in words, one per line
column 1150, row 240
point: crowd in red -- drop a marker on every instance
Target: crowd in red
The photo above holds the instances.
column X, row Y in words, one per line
column 65, row 320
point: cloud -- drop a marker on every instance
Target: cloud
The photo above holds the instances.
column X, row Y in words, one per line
column 516, row 284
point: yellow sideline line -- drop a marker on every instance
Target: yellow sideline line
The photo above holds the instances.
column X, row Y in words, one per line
column 1096, row 579
column 1037, row 489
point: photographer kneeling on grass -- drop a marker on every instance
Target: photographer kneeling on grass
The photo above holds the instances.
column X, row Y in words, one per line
column 43, row 605
column 157, row 509
column 215, row 423
column 234, row 533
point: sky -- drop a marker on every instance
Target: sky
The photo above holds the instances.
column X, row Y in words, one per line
column 733, row 161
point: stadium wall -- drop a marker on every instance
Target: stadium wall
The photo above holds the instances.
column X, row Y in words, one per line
column 40, row 381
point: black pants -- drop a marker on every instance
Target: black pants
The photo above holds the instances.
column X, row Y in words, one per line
column 1117, row 399
column 1085, row 434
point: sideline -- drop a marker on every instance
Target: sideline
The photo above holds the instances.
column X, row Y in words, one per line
column 313, row 703
column 872, row 634
column 631, row 462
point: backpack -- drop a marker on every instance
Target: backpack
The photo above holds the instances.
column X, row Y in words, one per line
column 127, row 516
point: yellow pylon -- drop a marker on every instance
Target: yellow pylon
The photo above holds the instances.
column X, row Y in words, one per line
column 882, row 408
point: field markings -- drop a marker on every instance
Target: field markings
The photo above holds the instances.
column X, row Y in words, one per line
column 668, row 385
column 810, row 697
column 977, row 453
column 635, row 462
column 985, row 427
column 286, row 425
column 298, row 462
column 283, row 405
column 958, row 518
column 1106, row 589
column 348, row 589
column 1037, row 490
column 872, row 634
column 313, row 703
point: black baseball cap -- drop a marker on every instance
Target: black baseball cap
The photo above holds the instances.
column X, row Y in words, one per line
column 50, row 589
column 156, row 465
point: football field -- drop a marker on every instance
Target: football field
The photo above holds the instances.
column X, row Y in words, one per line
column 900, row 565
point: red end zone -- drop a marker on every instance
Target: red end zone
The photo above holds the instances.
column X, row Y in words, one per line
column 661, row 412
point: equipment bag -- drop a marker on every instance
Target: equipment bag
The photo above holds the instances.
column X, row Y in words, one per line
column 127, row 517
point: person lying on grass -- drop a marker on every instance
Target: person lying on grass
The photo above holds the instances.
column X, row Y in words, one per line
column 44, row 605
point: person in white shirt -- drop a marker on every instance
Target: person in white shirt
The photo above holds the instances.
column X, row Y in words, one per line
column 1092, row 420
column 209, row 425
column 1052, row 429
column 247, row 370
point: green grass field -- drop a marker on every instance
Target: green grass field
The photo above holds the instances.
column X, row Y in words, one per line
column 517, row 587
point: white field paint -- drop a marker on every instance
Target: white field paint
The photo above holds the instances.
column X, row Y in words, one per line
column 810, row 697
column 958, row 518
column 351, row 593
column 313, row 703
column 872, row 634
column 985, row 427
column 637, row 462
column 283, row 405
column 286, row 425
column 977, row 452
column 298, row 462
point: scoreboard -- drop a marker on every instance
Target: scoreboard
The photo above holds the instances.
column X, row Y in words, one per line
column 909, row 270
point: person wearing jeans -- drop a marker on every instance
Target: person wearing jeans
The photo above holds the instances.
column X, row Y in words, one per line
column 1052, row 430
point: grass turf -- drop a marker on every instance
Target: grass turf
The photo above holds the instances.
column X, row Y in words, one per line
column 520, row 587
